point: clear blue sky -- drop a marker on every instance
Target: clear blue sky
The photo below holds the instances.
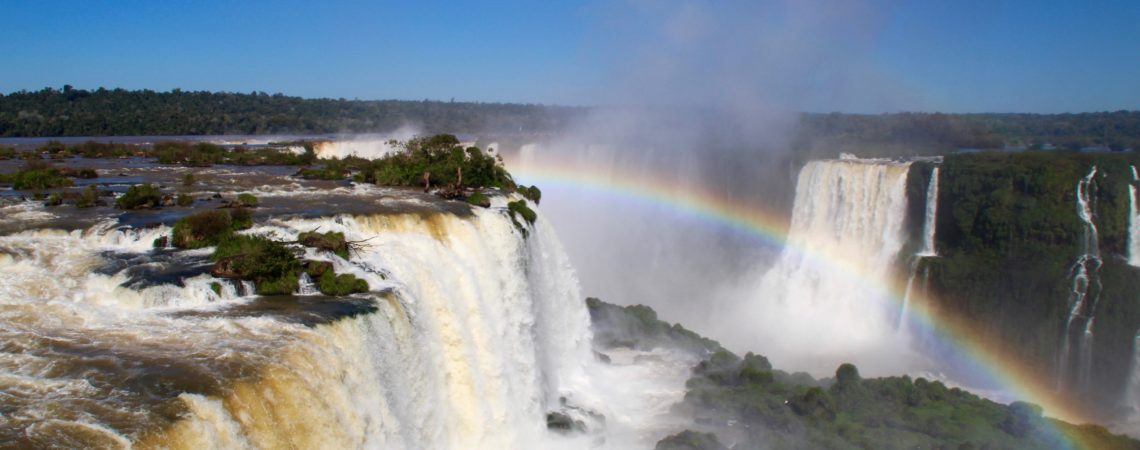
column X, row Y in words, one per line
column 872, row 56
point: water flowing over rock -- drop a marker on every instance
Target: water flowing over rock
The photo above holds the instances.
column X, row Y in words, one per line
column 1085, row 292
column 470, row 335
column 846, row 234
column 1133, row 221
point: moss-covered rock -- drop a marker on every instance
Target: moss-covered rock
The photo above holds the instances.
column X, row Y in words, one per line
column 479, row 199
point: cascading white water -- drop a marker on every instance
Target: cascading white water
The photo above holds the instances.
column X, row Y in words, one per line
column 1084, row 292
column 1133, row 221
column 824, row 302
column 931, row 216
column 477, row 333
column 929, row 224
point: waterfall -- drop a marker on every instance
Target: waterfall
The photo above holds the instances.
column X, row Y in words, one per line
column 470, row 334
column 1085, row 291
column 846, row 233
column 930, row 220
column 931, row 216
column 1133, row 222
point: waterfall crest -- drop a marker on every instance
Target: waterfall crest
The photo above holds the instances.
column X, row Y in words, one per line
column 470, row 334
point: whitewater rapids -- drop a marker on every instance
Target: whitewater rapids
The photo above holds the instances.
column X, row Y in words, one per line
column 470, row 335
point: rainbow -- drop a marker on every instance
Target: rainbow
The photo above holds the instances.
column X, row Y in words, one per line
column 995, row 360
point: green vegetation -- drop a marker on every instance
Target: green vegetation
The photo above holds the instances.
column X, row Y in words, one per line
column 531, row 193
column 690, row 440
column 104, row 112
column 272, row 266
column 206, row 228
column 140, row 196
column 36, row 175
column 332, row 242
column 331, row 169
column 908, row 134
column 479, row 199
column 762, row 407
column 216, row 287
column 54, row 200
column 184, row 200
column 768, row 408
column 443, row 162
column 1008, row 235
column 247, row 200
column 88, row 198
column 894, row 412
column 637, row 327
column 337, row 285
column 519, row 207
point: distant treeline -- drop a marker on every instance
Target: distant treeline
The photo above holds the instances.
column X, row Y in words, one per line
column 906, row 134
column 77, row 112
column 118, row 112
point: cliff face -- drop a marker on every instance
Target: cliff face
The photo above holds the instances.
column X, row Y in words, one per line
column 1034, row 248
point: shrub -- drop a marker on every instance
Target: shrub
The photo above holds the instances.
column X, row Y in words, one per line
column 140, row 196
column 519, row 207
column 36, row 175
column 185, row 200
column 188, row 180
column 331, row 242
column 271, row 265
column 202, row 229
column 242, row 218
column 54, row 200
column 88, row 198
column 531, row 193
column 336, row 285
column 247, row 200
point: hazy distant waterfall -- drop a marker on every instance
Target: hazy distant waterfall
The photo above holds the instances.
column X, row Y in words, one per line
column 1085, row 292
column 1133, row 222
column 832, row 281
column 930, row 220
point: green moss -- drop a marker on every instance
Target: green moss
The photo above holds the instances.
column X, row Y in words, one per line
column 336, row 285
column 479, row 199
column 519, row 207
column 531, row 193
column 140, row 196
column 216, row 287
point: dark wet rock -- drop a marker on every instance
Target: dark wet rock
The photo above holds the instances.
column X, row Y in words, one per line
column 690, row 440
column 563, row 423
